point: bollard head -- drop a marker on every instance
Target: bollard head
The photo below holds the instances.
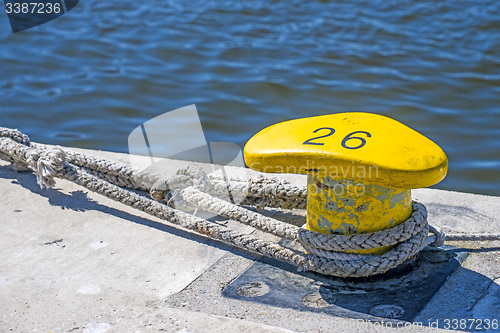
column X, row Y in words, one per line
column 371, row 148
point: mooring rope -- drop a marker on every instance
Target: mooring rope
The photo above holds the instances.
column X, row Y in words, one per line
column 325, row 253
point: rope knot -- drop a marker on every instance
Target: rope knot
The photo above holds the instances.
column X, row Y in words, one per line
column 196, row 178
column 168, row 189
column 15, row 135
column 47, row 165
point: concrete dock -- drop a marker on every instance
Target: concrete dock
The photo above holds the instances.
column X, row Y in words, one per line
column 74, row 261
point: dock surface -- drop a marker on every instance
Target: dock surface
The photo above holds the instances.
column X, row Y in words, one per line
column 75, row 261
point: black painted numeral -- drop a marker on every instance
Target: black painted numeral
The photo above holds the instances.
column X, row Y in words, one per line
column 309, row 142
column 349, row 137
column 344, row 141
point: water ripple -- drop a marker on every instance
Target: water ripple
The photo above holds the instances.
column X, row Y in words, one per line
column 90, row 77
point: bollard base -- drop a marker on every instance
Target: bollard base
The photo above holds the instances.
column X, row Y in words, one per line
column 397, row 295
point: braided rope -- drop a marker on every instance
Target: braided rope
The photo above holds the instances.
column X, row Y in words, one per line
column 326, row 253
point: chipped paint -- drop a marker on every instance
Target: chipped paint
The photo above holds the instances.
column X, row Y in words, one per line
column 345, row 206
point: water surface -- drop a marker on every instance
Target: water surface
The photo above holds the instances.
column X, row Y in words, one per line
column 90, row 77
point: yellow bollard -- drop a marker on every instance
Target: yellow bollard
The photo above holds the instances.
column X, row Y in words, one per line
column 361, row 168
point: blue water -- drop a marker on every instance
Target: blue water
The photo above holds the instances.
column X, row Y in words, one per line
column 88, row 78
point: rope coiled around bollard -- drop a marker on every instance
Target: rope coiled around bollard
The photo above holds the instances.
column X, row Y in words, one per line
column 325, row 252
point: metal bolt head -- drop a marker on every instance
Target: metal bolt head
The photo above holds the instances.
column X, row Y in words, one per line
column 253, row 289
column 387, row 311
column 316, row 300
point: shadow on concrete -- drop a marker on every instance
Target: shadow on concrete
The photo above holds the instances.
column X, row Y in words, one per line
column 448, row 212
column 78, row 201
column 482, row 249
